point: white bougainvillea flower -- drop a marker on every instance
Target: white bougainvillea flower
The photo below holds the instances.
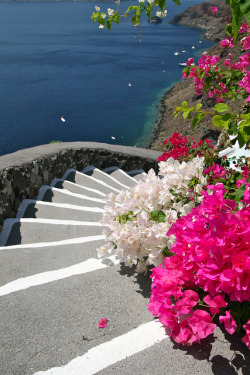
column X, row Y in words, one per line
column 150, row 1
column 132, row 231
column 97, row 8
column 110, row 12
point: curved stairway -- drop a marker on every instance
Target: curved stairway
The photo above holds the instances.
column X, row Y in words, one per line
column 54, row 290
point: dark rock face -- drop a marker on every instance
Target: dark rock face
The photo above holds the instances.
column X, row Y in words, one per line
column 200, row 16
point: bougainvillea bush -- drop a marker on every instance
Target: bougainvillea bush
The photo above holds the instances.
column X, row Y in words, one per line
column 209, row 272
column 138, row 219
column 192, row 222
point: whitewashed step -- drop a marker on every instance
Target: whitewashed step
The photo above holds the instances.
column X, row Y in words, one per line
column 22, row 261
column 77, row 189
column 27, row 231
column 50, row 194
column 137, row 174
column 89, row 182
column 61, row 211
column 105, row 177
column 121, row 176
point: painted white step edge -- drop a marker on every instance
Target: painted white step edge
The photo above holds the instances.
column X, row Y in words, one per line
column 71, row 241
column 53, row 183
column 44, row 189
column 38, row 279
column 91, row 168
column 91, row 178
column 111, row 169
column 68, row 206
column 113, row 351
column 8, row 224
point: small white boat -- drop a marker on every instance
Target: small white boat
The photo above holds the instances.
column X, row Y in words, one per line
column 193, row 47
column 112, row 137
column 183, row 64
column 200, row 41
column 130, row 84
column 63, row 119
column 176, row 53
column 183, row 51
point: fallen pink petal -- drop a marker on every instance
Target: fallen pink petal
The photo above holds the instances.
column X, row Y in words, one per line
column 103, row 323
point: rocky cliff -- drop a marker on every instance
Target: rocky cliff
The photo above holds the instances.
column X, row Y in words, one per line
column 201, row 16
column 214, row 29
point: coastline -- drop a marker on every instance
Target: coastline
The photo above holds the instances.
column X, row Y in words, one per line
column 165, row 124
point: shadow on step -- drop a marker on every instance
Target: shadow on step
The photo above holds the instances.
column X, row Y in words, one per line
column 30, row 211
column 15, row 237
column 142, row 280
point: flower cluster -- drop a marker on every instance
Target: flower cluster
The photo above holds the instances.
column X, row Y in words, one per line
column 214, row 10
column 138, row 219
column 209, row 272
column 180, row 148
column 211, row 79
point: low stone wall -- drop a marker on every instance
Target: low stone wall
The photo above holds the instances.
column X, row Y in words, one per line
column 22, row 173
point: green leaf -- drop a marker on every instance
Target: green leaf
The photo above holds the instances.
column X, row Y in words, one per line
column 177, row 2
column 246, row 117
column 184, row 105
column 239, row 193
column 221, row 107
column 95, row 16
column 167, row 252
column 242, row 137
column 187, row 113
column 130, row 8
column 138, row 11
column 162, row 5
column 245, row 9
column 135, row 20
column 148, row 10
column 115, row 18
column 158, row 215
column 101, row 20
column 217, row 121
column 197, row 119
column 229, row 29
column 198, row 106
column 237, row 16
column 108, row 23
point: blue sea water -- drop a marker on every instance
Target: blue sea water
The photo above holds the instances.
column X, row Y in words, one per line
column 55, row 62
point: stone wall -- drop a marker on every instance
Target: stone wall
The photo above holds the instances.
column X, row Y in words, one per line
column 24, row 172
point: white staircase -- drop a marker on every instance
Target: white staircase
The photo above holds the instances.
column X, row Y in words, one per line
column 54, row 291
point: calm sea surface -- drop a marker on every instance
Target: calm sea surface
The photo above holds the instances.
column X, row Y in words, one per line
column 54, row 62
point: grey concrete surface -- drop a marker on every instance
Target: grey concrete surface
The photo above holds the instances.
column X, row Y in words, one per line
column 43, row 327
column 35, row 231
column 47, row 325
column 38, row 210
column 27, row 261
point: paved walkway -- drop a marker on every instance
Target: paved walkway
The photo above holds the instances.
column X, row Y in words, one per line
column 54, row 291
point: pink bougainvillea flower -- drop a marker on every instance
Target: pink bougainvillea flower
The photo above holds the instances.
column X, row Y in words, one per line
column 214, row 10
column 103, row 323
column 185, row 304
column 215, row 303
column 246, row 339
column 246, row 43
column 229, row 322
